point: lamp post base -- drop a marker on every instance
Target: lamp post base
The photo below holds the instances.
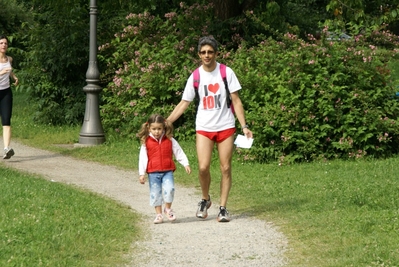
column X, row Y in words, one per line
column 91, row 140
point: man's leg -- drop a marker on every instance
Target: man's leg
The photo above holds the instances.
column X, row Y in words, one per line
column 225, row 149
column 204, row 155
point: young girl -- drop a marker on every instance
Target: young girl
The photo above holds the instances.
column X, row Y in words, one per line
column 156, row 158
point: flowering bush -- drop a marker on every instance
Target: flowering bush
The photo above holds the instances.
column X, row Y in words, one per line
column 305, row 99
column 149, row 63
column 319, row 99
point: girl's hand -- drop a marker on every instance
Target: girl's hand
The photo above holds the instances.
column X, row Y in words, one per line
column 188, row 169
column 142, row 179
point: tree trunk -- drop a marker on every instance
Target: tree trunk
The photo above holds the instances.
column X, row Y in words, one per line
column 225, row 9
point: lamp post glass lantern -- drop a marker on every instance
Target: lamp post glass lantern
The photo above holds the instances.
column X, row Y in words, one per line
column 92, row 132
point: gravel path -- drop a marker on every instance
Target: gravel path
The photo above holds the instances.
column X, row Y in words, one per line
column 188, row 241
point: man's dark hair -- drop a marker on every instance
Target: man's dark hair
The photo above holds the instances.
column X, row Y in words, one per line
column 207, row 40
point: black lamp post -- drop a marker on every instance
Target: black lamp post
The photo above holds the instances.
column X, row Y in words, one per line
column 92, row 132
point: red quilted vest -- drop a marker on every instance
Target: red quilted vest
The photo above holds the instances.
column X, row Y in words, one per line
column 160, row 155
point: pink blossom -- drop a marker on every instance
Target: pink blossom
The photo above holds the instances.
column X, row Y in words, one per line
column 170, row 15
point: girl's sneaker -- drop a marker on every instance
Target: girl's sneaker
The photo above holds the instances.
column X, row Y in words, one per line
column 158, row 219
column 170, row 213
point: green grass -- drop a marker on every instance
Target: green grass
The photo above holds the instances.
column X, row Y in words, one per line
column 338, row 213
column 52, row 224
column 335, row 214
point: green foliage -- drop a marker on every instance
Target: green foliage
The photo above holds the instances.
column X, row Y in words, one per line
column 305, row 100
column 149, row 63
column 13, row 23
column 12, row 15
column 57, row 53
column 367, row 14
column 322, row 100
column 318, row 99
column 55, row 65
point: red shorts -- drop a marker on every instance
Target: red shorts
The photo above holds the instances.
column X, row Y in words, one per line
column 218, row 136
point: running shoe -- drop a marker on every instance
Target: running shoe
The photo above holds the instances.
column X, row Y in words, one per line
column 223, row 215
column 158, row 219
column 8, row 153
column 170, row 213
column 203, row 207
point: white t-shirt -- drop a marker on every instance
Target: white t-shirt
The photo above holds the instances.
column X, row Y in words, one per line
column 213, row 114
column 5, row 78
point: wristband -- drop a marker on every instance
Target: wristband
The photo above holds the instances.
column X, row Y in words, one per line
column 245, row 126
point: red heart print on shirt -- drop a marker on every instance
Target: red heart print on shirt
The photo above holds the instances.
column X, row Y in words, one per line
column 213, row 88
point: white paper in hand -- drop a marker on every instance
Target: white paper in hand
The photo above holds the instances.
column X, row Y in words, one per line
column 243, row 142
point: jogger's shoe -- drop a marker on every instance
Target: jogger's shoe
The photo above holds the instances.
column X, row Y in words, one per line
column 203, row 207
column 8, row 153
column 170, row 213
column 158, row 219
column 223, row 215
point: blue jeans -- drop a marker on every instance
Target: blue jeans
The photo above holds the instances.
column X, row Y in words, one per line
column 162, row 188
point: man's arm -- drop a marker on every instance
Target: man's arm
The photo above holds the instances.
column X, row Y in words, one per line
column 178, row 111
column 239, row 111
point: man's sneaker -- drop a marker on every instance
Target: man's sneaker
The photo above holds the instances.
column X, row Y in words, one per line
column 203, row 207
column 170, row 213
column 8, row 153
column 223, row 215
column 158, row 219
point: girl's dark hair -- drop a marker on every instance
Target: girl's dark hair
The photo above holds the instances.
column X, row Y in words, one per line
column 155, row 118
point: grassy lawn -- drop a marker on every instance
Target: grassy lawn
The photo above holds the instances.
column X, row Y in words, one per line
column 337, row 213
column 52, row 224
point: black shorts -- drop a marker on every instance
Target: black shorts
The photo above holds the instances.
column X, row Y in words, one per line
column 6, row 106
